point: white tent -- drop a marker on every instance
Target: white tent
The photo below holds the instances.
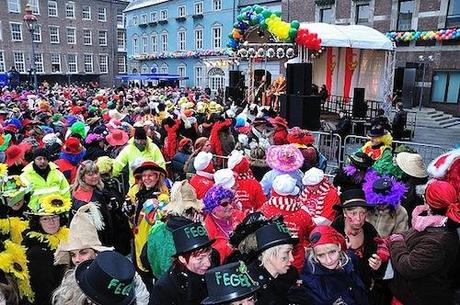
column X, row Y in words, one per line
column 365, row 53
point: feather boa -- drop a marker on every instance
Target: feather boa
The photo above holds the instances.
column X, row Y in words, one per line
column 52, row 240
column 214, row 137
column 393, row 197
column 171, row 139
column 74, row 159
column 14, row 226
column 356, row 175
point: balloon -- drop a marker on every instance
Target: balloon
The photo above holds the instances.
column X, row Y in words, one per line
column 266, row 13
column 246, row 9
column 248, row 15
column 263, row 24
column 240, row 17
column 292, row 33
column 277, row 13
column 254, row 20
column 258, row 9
column 230, row 35
column 295, row 24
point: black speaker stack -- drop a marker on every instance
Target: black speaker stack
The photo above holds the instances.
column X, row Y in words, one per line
column 359, row 108
column 299, row 107
column 235, row 90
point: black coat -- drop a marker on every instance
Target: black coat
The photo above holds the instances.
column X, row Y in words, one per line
column 346, row 182
column 179, row 288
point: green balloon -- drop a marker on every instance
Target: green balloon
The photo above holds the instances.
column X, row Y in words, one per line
column 292, row 33
column 277, row 13
column 263, row 24
column 295, row 24
column 236, row 25
column 254, row 20
column 240, row 17
column 230, row 35
column 246, row 9
column 266, row 13
column 258, row 9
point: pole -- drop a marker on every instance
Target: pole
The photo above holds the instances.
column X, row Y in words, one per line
column 422, row 87
column 34, row 70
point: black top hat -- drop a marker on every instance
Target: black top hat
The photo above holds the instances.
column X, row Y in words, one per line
column 352, row 198
column 251, row 223
column 191, row 237
column 228, row 283
column 108, row 279
column 377, row 131
column 361, row 160
column 382, row 185
column 272, row 235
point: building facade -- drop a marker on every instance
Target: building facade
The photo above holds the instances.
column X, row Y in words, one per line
column 427, row 71
column 187, row 38
column 80, row 40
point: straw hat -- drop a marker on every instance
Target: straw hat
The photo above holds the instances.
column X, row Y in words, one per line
column 82, row 235
column 183, row 197
column 412, row 164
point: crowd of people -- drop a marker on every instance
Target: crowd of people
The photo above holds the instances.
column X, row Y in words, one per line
column 162, row 196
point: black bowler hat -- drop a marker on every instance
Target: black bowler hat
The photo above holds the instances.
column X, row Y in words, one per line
column 251, row 223
column 377, row 131
column 382, row 186
column 191, row 237
column 352, row 198
column 228, row 283
column 108, row 279
column 361, row 160
column 272, row 235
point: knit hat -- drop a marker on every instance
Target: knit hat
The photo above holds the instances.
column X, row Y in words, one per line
column 313, row 176
column 104, row 164
column 140, row 134
column 285, row 185
column 225, row 178
column 51, row 138
column 202, row 160
column 411, row 164
column 83, row 234
column 41, row 152
column 442, row 195
column 183, row 197
column 284, row 158
column 322, row 235
column 215, row 196
column 235, row 157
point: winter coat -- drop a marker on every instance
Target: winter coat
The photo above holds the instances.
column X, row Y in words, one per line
column 399, row 124
column 68, row 169
column 268, row 178
column 178, row 288
column 201, row 184
column 178, row 162
column 55, row 183
column 326, row 287
column 388, row 222
column 421, row 263
column 130, row 152
column 296, row 219
column 250, row 193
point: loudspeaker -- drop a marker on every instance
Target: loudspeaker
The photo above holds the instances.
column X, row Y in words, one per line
column 284, row 107
column 235, row 93
column 298, row 78
column 236, row 78
column 359, row 109
column 304, row 111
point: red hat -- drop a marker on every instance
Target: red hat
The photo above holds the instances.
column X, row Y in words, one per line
column 72, row 146
column 183, row 143
column 117, row 137
column 300, row 136
column 322, row 235
column 16, row 153
column 11, row 128
column 442, row 195
column 279, row 121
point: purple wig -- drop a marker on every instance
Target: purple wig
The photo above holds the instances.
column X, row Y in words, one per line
column 215, row 196
column 393, row 197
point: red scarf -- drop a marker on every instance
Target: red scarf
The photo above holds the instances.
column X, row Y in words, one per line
column 313, row 200
column 285, row 203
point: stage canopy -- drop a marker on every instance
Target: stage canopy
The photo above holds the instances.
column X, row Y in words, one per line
column 151, row 77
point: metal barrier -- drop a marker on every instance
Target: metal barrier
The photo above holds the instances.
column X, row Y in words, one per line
column 330, row 145
column 335, row 103
column 428, row 151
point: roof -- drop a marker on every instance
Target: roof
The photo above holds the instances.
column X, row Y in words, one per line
column 137, row 4
column 349, row 36
column 150, row 77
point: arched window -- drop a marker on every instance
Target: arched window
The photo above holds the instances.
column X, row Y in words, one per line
column 135, row 45
column 164, row 69
column 216, row 78
column 182, row 71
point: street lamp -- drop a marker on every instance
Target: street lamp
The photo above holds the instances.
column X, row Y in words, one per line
column 31, row 22
column 424, row 61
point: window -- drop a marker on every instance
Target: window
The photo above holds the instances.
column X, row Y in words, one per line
column 198, row 38
column 144, row 19
column 121, row 40
column 216, row 5
column 216, row 79
column 135, row 46
column 52, row 9
column 445, row 87
column 16, row 31
column 182, row 71
column 135, row 20
column 14, row 6
column 154, row 40
column 163, row 14
column 164, row 69
column 181, row 11
column 102, row 14
column 71, row 36
column 19, row 62
column 362, row 13
column 453, row 13
column 72, row 63
column 39, row 63
column 145, row 44
column 164, row 42
column 325, row 15
column 2, row 62
column 55, row 63
column 54, row 34
column 87, row 37
column 104, row 63
column 181, row 40
column 153, row 17
column 38, row 33
column 35, row 6
column 406, row 9
column 103, row 38
column 86, row 12
column 70, row 10
column 217, row 37
column 121, row 63
column 198, row 8
column 120, row 18
column 199, row 76
column 88, row 61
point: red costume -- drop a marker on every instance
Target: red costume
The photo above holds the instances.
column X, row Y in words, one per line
column 319, row 200
column 201, row 184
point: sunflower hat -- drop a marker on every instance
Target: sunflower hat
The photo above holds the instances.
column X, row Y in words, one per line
column 53, row 204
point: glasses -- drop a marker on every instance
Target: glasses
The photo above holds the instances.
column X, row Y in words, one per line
column 49, row 219
column 225, row 203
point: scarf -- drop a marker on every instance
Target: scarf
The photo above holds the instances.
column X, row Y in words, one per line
column 245, row 176
column 224, row 225
column 285, row 203
column 313, row 200
column 205, row 174
column 420, row 223
column 53, row 240
column 42, row 172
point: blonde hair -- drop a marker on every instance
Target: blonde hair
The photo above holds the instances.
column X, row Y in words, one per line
column 271, row 254
column 68, row 293
column 86, row 167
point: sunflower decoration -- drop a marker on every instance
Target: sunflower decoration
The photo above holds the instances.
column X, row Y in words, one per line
column 55, row 204
column 14, row 226
column 13, row 261
column 3, row 171
column 53, row 240
column 13, row 189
